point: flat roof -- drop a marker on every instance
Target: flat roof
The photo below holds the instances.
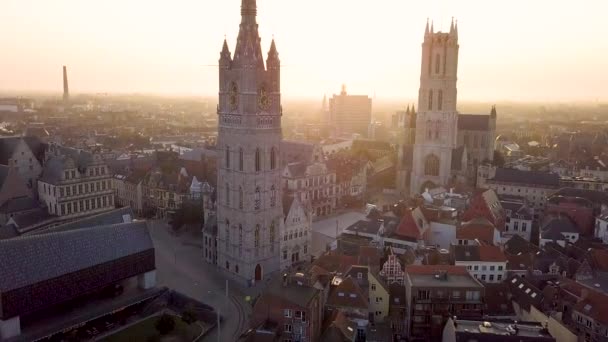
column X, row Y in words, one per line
column 502, row 328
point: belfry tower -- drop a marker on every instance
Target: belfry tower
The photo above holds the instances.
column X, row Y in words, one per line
column 249, row 213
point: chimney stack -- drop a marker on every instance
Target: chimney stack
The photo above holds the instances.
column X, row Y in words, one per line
column 66, row 90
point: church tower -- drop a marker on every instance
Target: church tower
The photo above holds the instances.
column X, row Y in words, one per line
column 249, row 213
column 437, row 118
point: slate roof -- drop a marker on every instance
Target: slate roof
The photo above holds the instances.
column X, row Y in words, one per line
column 518, row 244
column 524, row 292
column 514, row 176
column 554, row 227
column 8, row 144
column 473, row 122
column 594, row 196
column 34, row 259
column 18, row 204
column 3, row 173
column 297, row 170
column 31, row 218
column 338, row 328
column 8, row 232
column 54, row 165
column 348, row 294
column 117, row 216
column 300, row 295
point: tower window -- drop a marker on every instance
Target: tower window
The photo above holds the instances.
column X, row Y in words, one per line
column 258, row 198
column 437, row 61
column 273, row 158
column 241, row 157
column 227, row 157
column 273, row 196
column 440, row 100
column 431, row 99
column 256, row 242
column 272, row 236
column 227, row 194
column 258, row 160
column 431, row 165
column 241, row 198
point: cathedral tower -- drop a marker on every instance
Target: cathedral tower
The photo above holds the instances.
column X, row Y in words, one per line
column 249, row 213
column 437, row 118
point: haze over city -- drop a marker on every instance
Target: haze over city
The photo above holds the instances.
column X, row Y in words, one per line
column 510, row 50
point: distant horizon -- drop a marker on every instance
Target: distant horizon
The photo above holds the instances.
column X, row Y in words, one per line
column 522, row 55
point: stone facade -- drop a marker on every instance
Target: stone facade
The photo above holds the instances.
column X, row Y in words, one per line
column 75, row 183
column 249, row 213
column 296, row 238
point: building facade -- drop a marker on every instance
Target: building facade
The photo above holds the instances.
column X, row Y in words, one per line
column 350, row 114
column 249, row 213
column 75, row 183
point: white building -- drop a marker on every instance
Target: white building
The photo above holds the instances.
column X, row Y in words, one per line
column 296, row 240
column 558, row 229
column 601, row 227
column 484, row 262
column 519, row 217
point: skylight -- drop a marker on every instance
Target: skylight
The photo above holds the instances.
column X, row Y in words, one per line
column 533, row 295
column 587, row 307
column 521, row 286
column 514, row 280
column 528, row 291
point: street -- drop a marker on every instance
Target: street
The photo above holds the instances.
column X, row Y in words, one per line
column 180, row 266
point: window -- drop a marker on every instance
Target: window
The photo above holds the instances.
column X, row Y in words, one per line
column 516, row 226
column 288, row 328
column 437, row 61
column 287, row 313
column 227, row 157
column 455, row 294
column 440, row 100
column 258, row 160
column 258, row 199
column 431, row 165
column 227, row 194
column 373, row 287
column 305, row 249
column 273, row 196
column 492, row 268
column 273, row 158
column 227, row 265
column 483, row 277
column 499, row 277
column 303, row 316
column 240, row 235
column 423, row 294
column 272, row 235
column 285, row 255
column 500, row 268
column 359, row 275
column 431, row 99
column 491, row 277
column 241, row 158
column 256, row 242
column 240, row 197
column 524, row 226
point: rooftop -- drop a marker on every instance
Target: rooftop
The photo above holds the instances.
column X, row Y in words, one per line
column 431, row 276
column 503, row 328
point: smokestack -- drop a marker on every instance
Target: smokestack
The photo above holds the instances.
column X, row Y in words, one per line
column 66, row 89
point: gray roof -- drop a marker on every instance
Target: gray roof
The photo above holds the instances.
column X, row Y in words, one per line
column 546, row 179
column 553, row 228
column 33, row 259
column 19, row 204
column 8, row 232
column 473, row 122
column 54, row 165
column 597, row 197
column 8, row 144
column 31, row 218
column 3, row 173
column 300, row 295
column 364, row 226
column 117, row 216
column 297, row 169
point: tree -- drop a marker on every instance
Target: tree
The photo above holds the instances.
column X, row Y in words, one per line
column 499, row 159
column 188, row 316
column 165, row 324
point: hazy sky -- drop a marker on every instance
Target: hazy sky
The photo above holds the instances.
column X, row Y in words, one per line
column 514, row 50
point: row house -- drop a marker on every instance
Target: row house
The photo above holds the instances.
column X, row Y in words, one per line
column 293, row 306
column 295, row 243
column 519, row 217
column 75, row 183
column 313, row 184
column 484, row 262
column 534, row 186
column 435, row 293
column 351, row 178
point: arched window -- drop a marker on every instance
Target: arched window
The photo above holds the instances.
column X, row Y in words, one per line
column 256, row 237
column 227, row 157
column 431, row 99
column 258, row 198
column 227, row 194
column 258, row 160
column 437, row 61
column 431, row 165
column 429, row 128
column 241, row 158
column 273, row 158
column 440, row 100
column 240, row 197
column 437, row 128
column 273, row 196
column 240, row 239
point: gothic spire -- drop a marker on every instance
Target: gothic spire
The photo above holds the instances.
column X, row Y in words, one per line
column 249, row 10
column 408, row 109
column 493, row 112
column 426, row 30
column 273, row 53
column 432, row 27
column 248, row 50
column 452, row 26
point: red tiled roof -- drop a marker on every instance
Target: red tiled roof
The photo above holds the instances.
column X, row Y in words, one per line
column 408, row 226
column 479, row 228
column 335, row 262
column 491, row 253
column 595, row 305
column 433, row 269
column 600, row 259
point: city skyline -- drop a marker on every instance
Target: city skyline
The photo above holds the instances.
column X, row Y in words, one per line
column 174, row 49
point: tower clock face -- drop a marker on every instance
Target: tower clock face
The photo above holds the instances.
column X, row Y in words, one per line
column 233, row 96
column 263, row 99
